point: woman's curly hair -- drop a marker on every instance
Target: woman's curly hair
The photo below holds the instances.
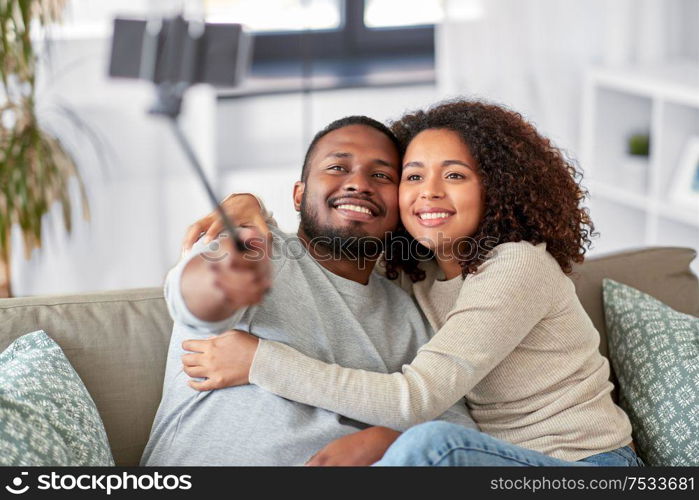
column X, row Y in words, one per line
column 531, row 190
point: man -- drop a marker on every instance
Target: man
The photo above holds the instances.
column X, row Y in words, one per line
column 325, row 301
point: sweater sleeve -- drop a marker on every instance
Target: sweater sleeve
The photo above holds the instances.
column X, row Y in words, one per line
column 177, row 307
column 496, row 308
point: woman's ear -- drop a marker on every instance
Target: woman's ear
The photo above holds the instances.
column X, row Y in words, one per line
column 299, row 188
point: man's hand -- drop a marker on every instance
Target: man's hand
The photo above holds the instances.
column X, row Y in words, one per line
column 243, row 209
column 224, row 360
column 217, row 283
column 362, row 448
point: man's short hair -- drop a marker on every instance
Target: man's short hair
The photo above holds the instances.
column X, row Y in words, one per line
column 341, row 123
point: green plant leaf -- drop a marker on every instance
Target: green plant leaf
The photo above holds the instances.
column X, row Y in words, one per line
column 35, row 168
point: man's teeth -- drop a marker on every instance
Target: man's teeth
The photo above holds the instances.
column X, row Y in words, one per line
column 355, row 208
column 433, row 215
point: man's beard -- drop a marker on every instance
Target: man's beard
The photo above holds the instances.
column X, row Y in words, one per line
column 344, row 242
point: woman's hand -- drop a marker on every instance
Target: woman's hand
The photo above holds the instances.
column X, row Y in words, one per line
column 224, row 360
column 243, row 209
column 361, row 448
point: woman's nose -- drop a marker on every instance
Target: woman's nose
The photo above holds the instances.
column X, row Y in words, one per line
column 431, row 190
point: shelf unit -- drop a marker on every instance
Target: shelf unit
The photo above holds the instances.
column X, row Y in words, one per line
column 662, row 101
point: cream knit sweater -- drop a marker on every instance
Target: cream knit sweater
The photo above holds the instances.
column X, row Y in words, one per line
column 512, row 338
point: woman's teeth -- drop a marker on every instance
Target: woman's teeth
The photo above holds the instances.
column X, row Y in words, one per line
column 433, row 215
column 355, row 208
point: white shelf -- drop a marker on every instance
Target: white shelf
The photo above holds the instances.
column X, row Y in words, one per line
column 679, row 214
column 678, row 82
column 639, row 201
column 662, row 101
column 617, row 194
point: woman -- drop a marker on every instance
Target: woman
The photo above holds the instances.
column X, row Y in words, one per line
column 498, row 208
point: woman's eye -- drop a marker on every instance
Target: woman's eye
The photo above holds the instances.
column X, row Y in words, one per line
column 454, row 175
column 413, row 177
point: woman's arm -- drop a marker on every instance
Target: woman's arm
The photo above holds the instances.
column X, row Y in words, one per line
column 495, row 310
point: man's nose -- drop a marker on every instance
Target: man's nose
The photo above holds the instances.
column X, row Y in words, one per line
column 358, row 182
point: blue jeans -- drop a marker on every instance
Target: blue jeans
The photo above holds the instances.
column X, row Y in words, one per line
column 444, row 444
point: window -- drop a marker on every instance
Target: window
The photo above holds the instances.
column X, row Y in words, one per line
column 277, row 15
column 346, row 29
column 393, row 13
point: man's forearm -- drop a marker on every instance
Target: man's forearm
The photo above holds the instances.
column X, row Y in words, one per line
column 202, row 297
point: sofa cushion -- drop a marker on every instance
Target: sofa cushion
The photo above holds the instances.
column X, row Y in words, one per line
column 663, row 273
column 48, row 417
column 655, row 353
column 117, row 342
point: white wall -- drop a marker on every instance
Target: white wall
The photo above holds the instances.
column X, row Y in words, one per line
column 143, row 200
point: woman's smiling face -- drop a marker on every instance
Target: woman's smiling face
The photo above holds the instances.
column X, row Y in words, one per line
column 440, row 194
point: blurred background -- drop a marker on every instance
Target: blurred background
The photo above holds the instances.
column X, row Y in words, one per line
column 614, row 83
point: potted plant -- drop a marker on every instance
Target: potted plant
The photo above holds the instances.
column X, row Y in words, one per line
column 35, row 168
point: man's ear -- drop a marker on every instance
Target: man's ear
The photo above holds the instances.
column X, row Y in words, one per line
column 299, row 188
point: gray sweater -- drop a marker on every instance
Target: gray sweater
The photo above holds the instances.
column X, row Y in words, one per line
column 375, row 327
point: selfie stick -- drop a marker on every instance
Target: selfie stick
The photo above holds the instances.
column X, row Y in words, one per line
column 189, row 152
column 169, row 98
column 168, row 104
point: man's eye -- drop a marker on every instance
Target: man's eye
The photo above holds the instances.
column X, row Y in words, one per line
column 382, row 175
column 336, row 167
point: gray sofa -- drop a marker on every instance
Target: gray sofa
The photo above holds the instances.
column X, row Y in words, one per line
column 117, row 341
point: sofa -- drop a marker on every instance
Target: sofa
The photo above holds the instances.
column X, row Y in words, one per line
column 117, row 341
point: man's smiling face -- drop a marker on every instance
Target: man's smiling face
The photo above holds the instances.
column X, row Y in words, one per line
column 351, row 189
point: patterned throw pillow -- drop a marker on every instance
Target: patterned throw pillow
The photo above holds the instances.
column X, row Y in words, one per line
column 47, row 417
column 655, row 353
